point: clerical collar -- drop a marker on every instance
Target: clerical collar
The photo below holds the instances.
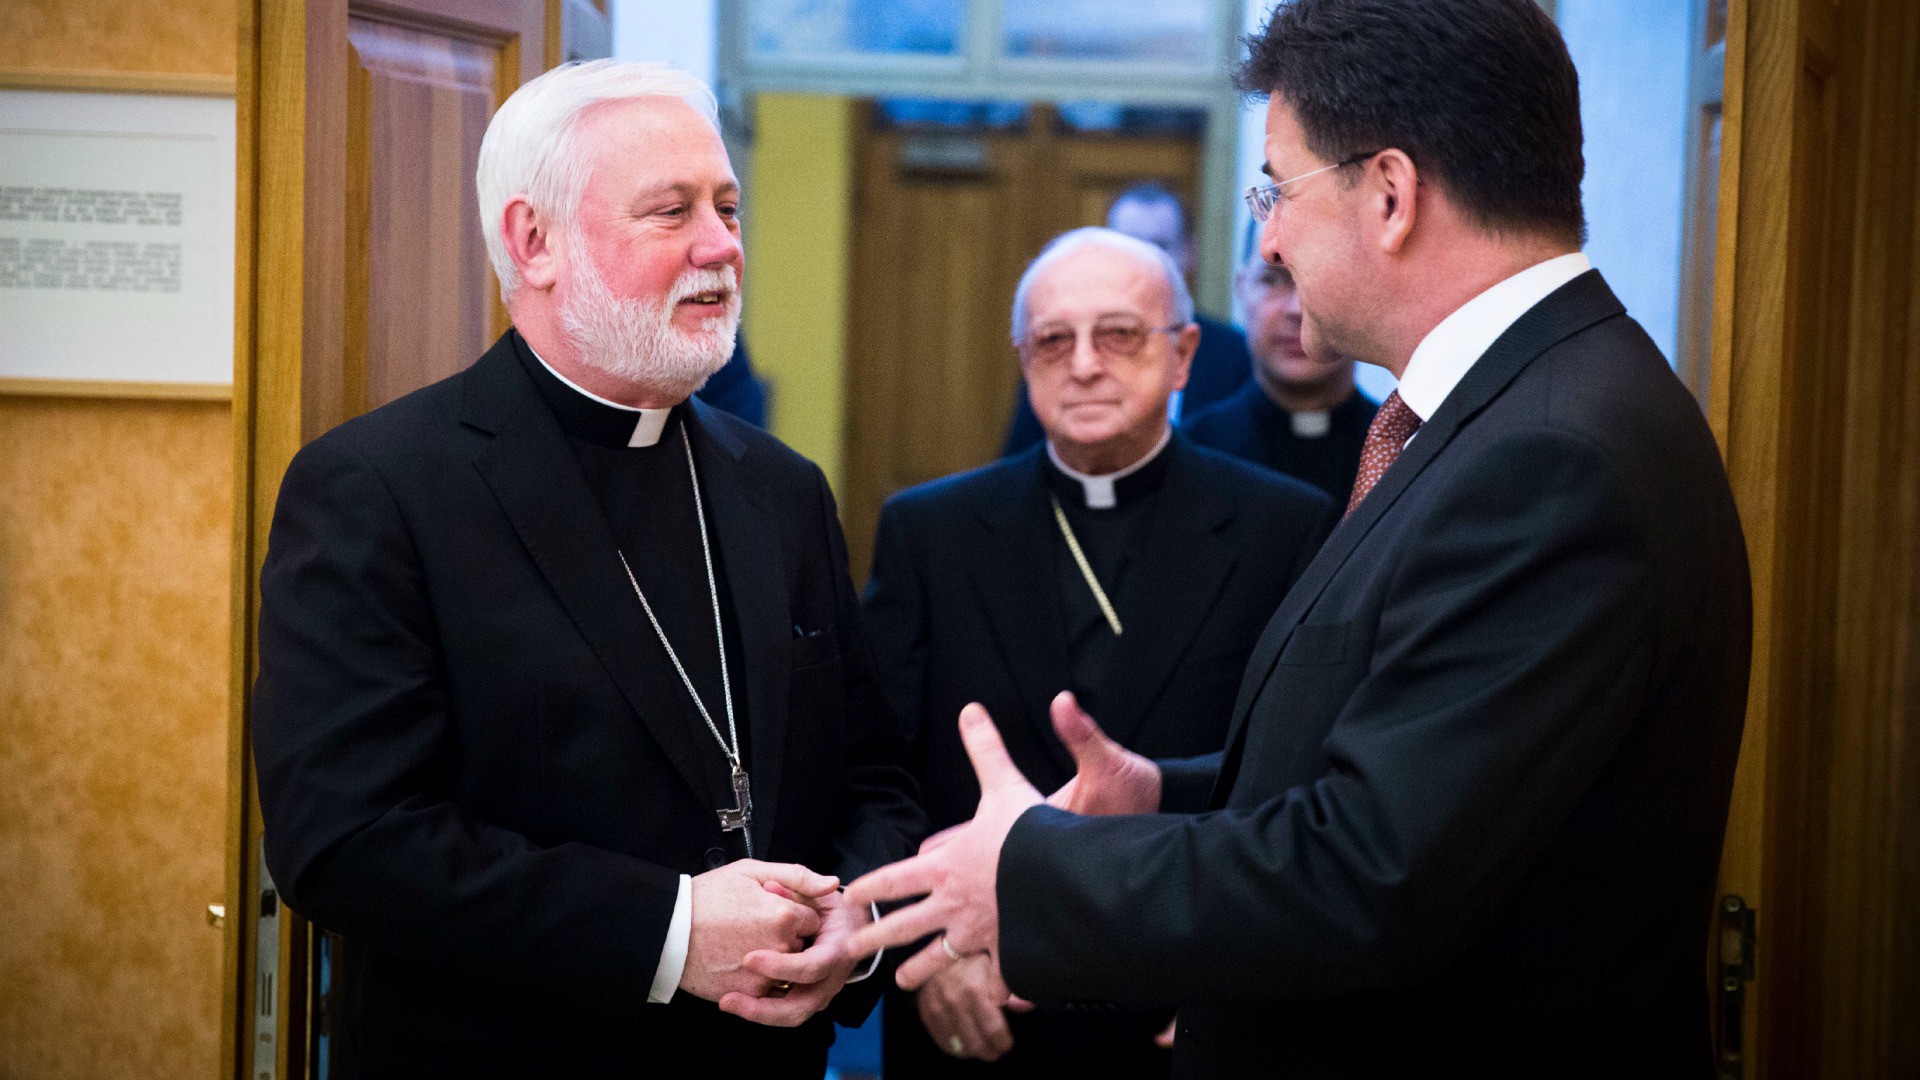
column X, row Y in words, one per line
column 1306, row 424
column 592, row 418
column 1112, row 489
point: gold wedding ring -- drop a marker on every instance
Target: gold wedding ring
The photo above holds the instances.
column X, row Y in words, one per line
column 951, row 955
column 781, row 986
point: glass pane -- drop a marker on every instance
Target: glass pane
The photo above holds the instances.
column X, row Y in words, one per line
column 945, row 114
column 1109, row 118
column 813, row 28
column 1151, row 31
column 1716, row 22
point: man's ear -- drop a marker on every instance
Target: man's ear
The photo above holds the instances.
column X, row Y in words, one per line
column 1395, row 180
column 529, row 244
column 1186, row 342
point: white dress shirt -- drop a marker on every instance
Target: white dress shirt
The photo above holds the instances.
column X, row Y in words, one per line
column 1451, row 348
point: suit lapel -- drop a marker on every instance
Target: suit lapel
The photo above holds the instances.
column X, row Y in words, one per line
column 748, row 538
column 1570, row 309
column 1182, row 563
column 538, row 483
column 1014, row 575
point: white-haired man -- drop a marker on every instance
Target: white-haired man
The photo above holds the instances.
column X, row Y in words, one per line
column 1117, row 562
column 562, row 687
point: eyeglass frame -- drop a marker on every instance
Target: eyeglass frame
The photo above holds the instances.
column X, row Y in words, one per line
column 1272, row 194
column 1025, row 344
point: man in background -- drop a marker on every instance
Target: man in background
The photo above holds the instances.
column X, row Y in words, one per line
column 1299, row 414
column 1118, row 562
column 1221, row 363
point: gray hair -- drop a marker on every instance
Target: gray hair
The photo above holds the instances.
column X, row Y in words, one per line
column 1067, row 242
column 529, row 148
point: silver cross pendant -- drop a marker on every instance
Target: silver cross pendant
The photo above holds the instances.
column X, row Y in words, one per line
column 740, row 817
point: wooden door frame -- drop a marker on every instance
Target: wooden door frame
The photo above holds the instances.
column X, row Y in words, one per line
column 1786, row 395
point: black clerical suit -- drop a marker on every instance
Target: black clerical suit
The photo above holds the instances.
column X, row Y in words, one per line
column 1469, row 814
column 975, row 597
column 1221, row 365
column 1321, row 448
column 476, row 759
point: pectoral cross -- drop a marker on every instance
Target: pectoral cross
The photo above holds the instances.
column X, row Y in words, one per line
column 740, row 817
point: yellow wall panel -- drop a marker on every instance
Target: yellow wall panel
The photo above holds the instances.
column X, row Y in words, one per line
column 798, row 265
column 194, row 37
column 114, row 526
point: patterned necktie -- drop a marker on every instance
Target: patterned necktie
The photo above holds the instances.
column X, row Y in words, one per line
column 1392, row 426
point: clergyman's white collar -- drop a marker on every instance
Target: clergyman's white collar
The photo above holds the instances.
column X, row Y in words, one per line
column 646, row 428
column 1100, row 489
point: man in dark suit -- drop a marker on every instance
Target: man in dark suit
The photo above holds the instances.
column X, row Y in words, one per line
column 1118, row 562
column 562, row 683
column 1221, row 362
column 1299, row 414
column 1469, row 814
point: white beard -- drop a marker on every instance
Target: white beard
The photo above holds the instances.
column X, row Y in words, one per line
column 636, row 342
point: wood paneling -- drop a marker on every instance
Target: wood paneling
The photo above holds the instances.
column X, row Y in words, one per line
column 421, row 300
column 113, row 655
column 1815, row 350
column 113, row 701
column 191, row 37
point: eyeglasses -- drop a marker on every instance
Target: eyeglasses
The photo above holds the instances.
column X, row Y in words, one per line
column 1262, row 198
column 1113, row 339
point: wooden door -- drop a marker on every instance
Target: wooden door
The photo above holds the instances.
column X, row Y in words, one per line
column 1816, row 400
column 945, row 222
column 362, row 275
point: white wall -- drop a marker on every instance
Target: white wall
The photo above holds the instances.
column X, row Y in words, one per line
column 1632, row 57
column 678, row 32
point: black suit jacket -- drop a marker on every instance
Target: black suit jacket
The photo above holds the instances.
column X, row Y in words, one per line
column 964, row 605
column 1221, row 365
column 1470, row 811
column 477, row 763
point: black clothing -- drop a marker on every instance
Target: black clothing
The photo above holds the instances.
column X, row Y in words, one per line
column 1220, row 365
column 477, row 763
column 972, row 599
column 1470, row 811
column 736, row 389
column 1251, row 427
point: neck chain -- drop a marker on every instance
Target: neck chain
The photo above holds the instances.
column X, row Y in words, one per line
column 1086, row 569
column 738, row 818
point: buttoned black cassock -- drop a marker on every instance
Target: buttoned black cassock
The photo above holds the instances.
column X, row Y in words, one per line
column 975, row 597
column 1468, row 819
column 476, row 760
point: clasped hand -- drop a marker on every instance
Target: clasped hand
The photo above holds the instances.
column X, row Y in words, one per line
column 749, row 949
column 957, row 870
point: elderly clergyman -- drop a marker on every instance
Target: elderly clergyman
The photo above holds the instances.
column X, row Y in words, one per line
column 564, row 713
column 1116, row 564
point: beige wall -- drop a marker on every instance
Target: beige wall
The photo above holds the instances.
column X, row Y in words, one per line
column 799, row 244
column 115, row 526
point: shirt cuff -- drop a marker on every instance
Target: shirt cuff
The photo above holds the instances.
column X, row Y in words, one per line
column 874, row 964
column 673, row 951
